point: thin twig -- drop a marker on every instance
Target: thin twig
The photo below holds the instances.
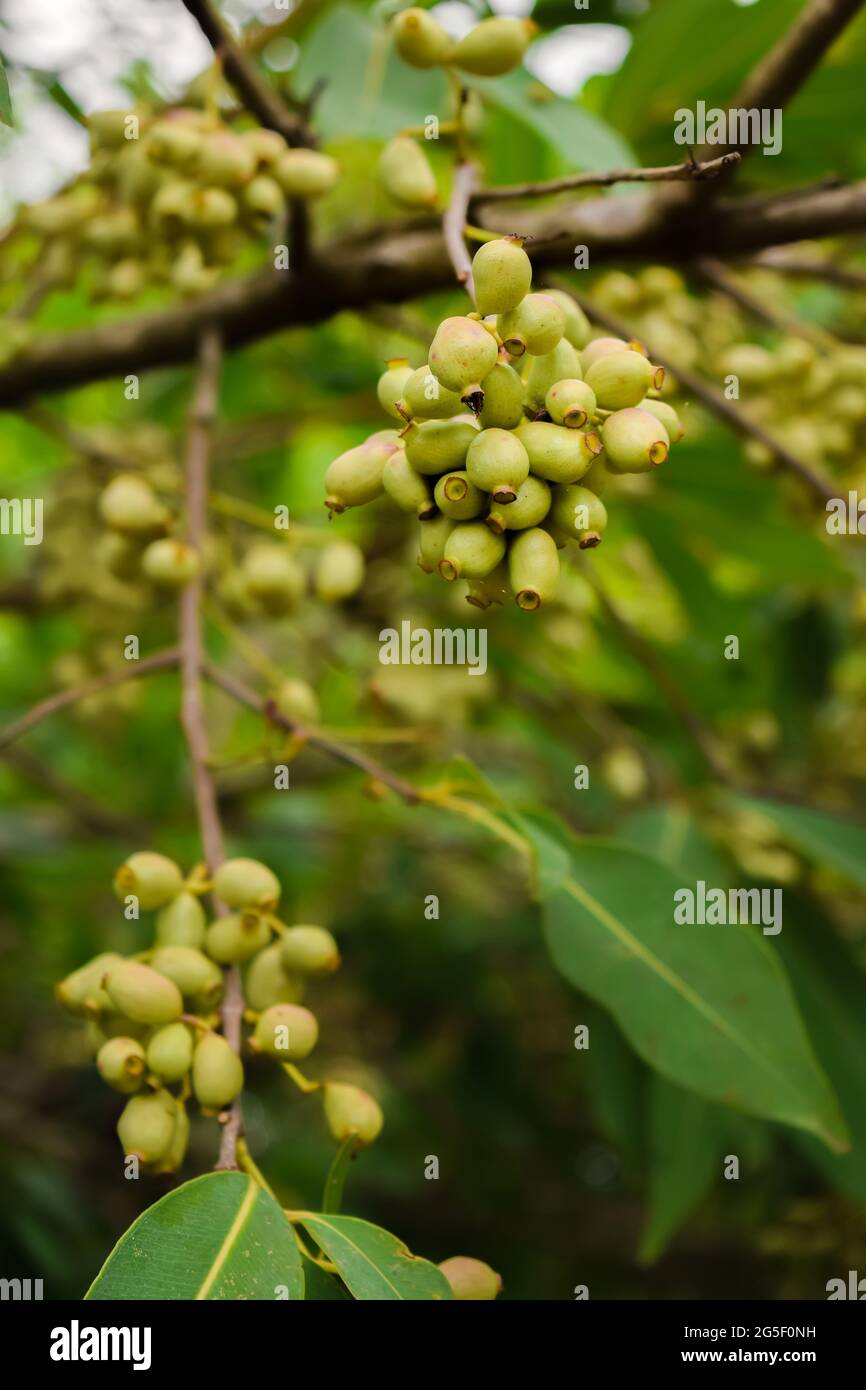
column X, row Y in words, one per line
column 453, row 222
column 192, row 715
column 803, row 269
column 160, row 661
column 687, row 172
column 715, row 402
column 246, row 696
column 718, row 275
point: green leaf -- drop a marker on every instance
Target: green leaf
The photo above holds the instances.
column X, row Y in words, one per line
column 373, row 1263
column 687, row 1140
column 709, row 1007
column 320, row 1286
column 218, row 1237
column 581, row 140
column 827, row 839
column 5, row 100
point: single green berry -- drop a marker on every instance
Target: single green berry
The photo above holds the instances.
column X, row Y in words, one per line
column 471, row 552
column 273, row 576
column 209, row 209
column 352, row 1113
column 529, row 507
column 578, row 329
column 432, row 539
column 424, row 398
column 406, row 173
column 286, row 1031
column 502, row 273
column 408, row 488
column 217, row 1073
column 580, row 513
column 458, row 498
column 547, row 370
column 108, row 129
column 560, row 455
column 297, row 700
column 571, row 403
column 170, row 563
column 471, row 1279
column 494, row 46
column 129, row 504
column 634, row 441
column 306, row 173
column 670, row 419
column 169, row 1052
column 268, row 982
column 263, row 200
column 267, row 146
column 146, row 1126
column 121, row 1062
column 225, row 159
column 181, row 922
column 503, row 398
column 461, row 355
column 152, row 878
column 533, row 567
column 339, row 571
column 174, row 142
column 176, row 1152
column 535, row 326
column 142, row 994
column 622, row 379
column 438, row 446
column 493, row 588
column 597, row 348
column 190, row 970
column 392, row 383
column 309, row 951
column 355, row 477
column 82, row 992
column 236, row 937
column 497, row 462
column 419, row 40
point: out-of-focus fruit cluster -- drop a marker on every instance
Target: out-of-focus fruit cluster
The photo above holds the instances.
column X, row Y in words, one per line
column 509, row 433
column 153, row 1019
column 170, row 200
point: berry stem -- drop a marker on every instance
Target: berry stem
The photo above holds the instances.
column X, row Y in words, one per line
column 332, row 1197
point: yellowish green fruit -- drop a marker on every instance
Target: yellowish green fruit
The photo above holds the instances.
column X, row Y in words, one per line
column 82, row 992
column 173, row 1158
column 634, row 441
column 352, row 1113
column 129, row 504
column 309, row 951
column 578, row 329
column 580, row 513
column 597, row 348
column 306, row 174
column 170, row 563
column 535, row 326
column 502, row 273
column 471, row 1279
column 190, row 970
column 142, row 993
column 458, row 498
column 236, row 937
column 121, row 1062
column 297, row 700
column 174, row 142
column 181, row 922
column 286, row 1031
column 169, row 1052
column 392, row 383
column 225, row 159
column 668, row 417
column 267, row 146
column 533, row 567
column 246, row 883
column 217, row 1073
column 503, row 398
column 555, row 453
column 419, row 40
column 471, row 552
column 461, row 355
column 622, row 379
column 493, row 47
column 146, row 1126
column 493, row 588
column 273, row 576
column 547, row 370
column 152, row 878
column 408, row 488
column 432, row 539
column 406, row 173
column 529, row 507
column 355, row 477
column 339, row 571
column 571, row 403
column 108, row 129
column 263, row 200
column 438, row 446
column 425, row 398
column 268, row 982
column 209, row 209
column 497, row 462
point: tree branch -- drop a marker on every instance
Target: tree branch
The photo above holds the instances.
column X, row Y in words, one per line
column 192, row 715
column 802, row 268
column 721, row 279
column 713, row 400
column 160, row 661
column 240, row 69
column 375, row 771
column 455, row 219
column 687, row 172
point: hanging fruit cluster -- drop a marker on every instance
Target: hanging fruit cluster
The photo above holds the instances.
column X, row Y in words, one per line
column 508, row 434
column 171, row 201
column 153, row 1019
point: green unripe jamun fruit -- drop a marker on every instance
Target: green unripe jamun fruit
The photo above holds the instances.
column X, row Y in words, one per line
column 555, row 453
column 634, row 441
column 471, row 1279
column 622, row 379
column 533, row 568
column 190, row 970
column 419, row 40
column 82, row 992
column 529, row 507
column 236, row 937
column 580, row 513
column 169, row 1052
column 217, row 1073
column 503, row 398
column 181, row 922
column 142, row 994
column 306, row 174
column 352, row 1113
column 355, row 477
column 121, row 1062
column 571, row 402
column 146, row 1126
column 246, row 883
column 406, row 487
column 458, row 498
column 152, row 878
column 406, row 173
column 392, row 383
column 170, row 563
column 493, row 47
column 471, row 552
column 502, row 273
column 268, row 982
column 286, row 1031
column 425, row 398
column 432, row 539
column 461, row 355
column 438, row 446
column 535, row 326
column 309, row 951
column 339, row 569
column 497, row 462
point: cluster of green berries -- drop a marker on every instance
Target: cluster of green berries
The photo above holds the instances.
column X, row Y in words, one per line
column 268, row 579
column 153, row 1019
column 491, row 48
column 509, row 432
column 171, row 201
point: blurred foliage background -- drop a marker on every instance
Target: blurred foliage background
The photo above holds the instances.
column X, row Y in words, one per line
column 559, row 1167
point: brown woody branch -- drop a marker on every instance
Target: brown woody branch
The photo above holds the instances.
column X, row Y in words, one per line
column 803, row 268
column 454, row 221
column 721, row 279
column 691, row 171
column 395, row 263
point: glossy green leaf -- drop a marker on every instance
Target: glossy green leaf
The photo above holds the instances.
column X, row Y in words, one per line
column 373, row 1263
column 582, row 140
column 832, row 841
column 218, row 1237
column 687, row 1141
column 709, row 1007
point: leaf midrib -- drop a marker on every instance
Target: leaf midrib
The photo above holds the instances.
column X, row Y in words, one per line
column 341, row 1235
